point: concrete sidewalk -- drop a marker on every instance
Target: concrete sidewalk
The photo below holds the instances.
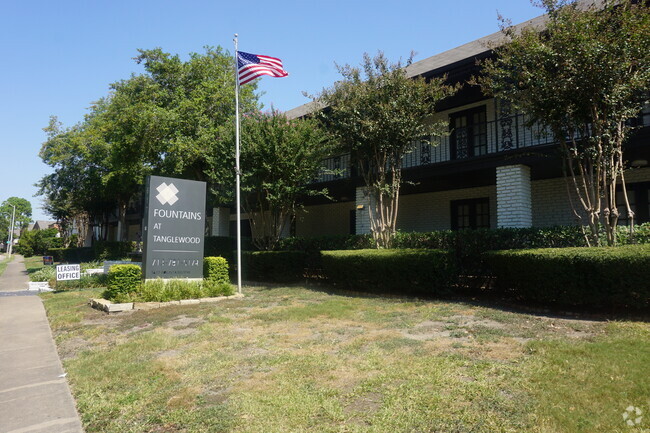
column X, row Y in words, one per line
column 34, row 397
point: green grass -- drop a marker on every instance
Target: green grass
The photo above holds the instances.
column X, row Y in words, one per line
column 292, row 359
column 4, row 262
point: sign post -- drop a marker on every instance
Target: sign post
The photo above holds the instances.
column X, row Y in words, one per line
column 174, row 228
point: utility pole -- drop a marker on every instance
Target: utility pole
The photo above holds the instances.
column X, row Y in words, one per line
column 11, row 233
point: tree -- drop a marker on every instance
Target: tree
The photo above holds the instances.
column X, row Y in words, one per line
column 73, row 192
column 22, row 218
column 584, row 76
column 280, row 159
column 172, row 120
column 375, row 113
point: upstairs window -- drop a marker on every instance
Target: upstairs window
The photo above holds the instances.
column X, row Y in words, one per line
column 468, row 133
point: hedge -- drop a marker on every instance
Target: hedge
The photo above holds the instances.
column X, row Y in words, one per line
column 101, row 250
column 215, row 269
column 590, row 277
column 405, row 271
column 224, row 246
column 275, row 266
column 122, row 280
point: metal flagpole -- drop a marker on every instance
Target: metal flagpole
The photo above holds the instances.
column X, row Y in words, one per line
column 11, row 233
column 237, row 172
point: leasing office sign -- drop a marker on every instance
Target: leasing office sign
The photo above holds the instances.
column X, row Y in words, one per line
column 174, row 228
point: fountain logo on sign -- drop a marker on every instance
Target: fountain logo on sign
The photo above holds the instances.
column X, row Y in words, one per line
column 174, row 228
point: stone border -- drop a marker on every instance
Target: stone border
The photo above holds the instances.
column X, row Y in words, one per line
column 110, row 307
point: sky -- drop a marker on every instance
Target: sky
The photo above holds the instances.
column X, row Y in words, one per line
column 60, row 56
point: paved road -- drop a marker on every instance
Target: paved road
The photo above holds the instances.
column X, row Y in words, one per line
column 34, row 397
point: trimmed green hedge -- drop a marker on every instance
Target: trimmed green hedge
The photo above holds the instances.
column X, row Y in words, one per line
column 101, row 250
column 592, row 277
column 224, row 246
column 408, row 271
column 122, row 280
column 215, row 269
column 275, row 266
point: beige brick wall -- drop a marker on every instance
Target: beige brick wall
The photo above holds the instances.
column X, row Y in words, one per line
column 432, row 211
column 327, row 219
column 551, row 203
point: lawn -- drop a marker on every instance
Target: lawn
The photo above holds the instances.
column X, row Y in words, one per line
column 4, row 262
column 300, row 359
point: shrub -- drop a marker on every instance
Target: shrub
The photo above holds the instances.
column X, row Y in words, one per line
column 105, row 250
column 122, row 280
column 159, row 290
column 85, row 282
column 46, row 273
column 72, row 255
column 275, row 266
column 592, row 277
column 215, row 269
column 407, row 271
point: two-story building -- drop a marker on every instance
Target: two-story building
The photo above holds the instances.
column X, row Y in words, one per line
column 490, row 171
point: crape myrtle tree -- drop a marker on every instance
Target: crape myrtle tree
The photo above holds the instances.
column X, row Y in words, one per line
column 280, row 159
column 376, row 113
column 584, row 76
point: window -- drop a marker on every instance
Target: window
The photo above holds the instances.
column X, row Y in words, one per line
column 470, row 214
column 638, row 195
column 468, row 133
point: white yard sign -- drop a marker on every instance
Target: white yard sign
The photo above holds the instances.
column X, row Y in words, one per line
column 68, row 272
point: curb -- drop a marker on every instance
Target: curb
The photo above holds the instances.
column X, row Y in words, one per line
column 110, row 307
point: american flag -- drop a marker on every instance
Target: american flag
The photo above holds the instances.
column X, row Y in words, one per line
column 252, row 66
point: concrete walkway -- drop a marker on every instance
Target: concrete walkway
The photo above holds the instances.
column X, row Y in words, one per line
column 34, row 394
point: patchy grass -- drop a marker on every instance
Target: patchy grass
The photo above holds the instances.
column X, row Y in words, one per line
column 4, row 262
column 293, row 359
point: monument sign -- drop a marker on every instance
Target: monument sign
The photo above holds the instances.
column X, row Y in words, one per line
column 174, row 227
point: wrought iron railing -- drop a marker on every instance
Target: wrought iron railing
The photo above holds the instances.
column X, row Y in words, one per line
column 502, row 135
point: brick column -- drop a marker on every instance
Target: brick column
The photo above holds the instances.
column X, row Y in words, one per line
column 220, row 221
column 514, row 208
column 362, row 225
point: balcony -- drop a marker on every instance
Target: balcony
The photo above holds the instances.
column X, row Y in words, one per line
column 505, row 134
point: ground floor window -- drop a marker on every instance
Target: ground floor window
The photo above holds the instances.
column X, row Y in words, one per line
column 470, row 214
column 638, row 195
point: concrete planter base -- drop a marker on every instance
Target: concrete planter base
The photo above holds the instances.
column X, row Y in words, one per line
column 110, row 307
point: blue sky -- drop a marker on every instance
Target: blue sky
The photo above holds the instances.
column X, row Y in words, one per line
column 59, row 56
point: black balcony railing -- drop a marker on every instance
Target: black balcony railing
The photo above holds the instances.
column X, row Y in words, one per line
column 502, row 135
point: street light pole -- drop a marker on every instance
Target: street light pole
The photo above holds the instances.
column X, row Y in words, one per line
column 11, row 233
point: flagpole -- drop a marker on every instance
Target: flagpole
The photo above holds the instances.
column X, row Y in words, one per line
column 237, row 172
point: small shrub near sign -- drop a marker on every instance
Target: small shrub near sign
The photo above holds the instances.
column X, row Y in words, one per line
column 122, row 280
column 215, row 269
column 68, row 272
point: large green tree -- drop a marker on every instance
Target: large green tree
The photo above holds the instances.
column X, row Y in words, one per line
column 73, row 192
column 23, row 215
column 584, row 76
column 173, row 119
column 280, row 160
column 376, row 113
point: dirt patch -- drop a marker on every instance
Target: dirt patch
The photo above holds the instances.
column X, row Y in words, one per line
column 71, row 347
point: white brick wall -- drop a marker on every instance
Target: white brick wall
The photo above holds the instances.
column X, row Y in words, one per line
column 363, row 217
column 514, row 196
column 220, row 221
